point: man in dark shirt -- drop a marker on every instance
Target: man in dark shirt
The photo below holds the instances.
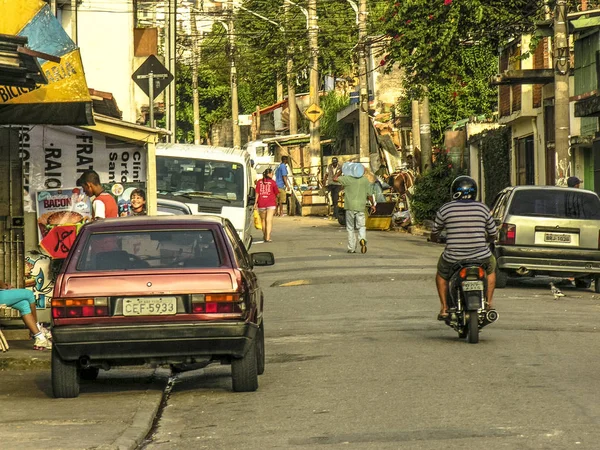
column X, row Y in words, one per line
column 469, row 227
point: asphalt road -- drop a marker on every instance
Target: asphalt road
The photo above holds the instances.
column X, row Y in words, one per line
column 355, row 359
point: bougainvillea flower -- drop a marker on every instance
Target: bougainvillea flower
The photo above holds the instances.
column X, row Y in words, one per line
column 447, row 2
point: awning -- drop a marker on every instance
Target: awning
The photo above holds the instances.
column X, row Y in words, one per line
column 65, row 100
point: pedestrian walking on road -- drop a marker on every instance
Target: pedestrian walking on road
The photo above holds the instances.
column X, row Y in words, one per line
column 266, row 201
column 357, row 191
column 334, row 187
column 281, row 178
column 23, row 301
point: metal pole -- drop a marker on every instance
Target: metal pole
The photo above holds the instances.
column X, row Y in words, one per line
column 363, row 111
column 195, row 99
column 237, row 138
column 425, row 131
column 561, row 92
column 151, row 99
column 313, row 43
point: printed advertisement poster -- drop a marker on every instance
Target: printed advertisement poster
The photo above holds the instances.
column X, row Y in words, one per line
column 55, row 157
column 123, row 192
column 61, row 213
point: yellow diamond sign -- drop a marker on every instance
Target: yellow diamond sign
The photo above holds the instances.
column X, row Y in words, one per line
column 313, row 112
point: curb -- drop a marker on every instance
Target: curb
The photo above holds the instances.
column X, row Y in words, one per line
column 30, row 363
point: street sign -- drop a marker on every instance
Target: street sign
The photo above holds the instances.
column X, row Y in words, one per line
column 152, row 69
column 313, row 112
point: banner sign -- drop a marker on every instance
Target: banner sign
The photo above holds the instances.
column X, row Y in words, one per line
column 55, row 157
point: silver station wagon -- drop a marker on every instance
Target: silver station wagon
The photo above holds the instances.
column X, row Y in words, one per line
column 548, row 230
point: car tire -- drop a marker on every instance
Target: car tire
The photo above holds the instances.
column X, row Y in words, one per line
column 65, row 377
column 583, row 283
column 244, row 372
column 597, row 284
column 260, row 349
column 501, row 279
column 89, row 373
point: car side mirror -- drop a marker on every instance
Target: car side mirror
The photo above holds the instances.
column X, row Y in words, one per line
column 251, row 194
column 262, row 259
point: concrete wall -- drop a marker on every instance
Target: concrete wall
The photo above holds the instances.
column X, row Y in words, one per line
column 105, row 37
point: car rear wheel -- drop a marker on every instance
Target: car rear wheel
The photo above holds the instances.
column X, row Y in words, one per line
column 65, row 377
column 260, row 349
column 583, row 283
column 244, row 371
column 501, row 279
column 597, row 284
column 89, row 373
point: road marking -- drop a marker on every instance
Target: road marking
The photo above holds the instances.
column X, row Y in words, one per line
column 295, row 283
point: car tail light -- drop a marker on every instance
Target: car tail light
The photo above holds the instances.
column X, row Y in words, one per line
column 508, row 234
column 217, row 303
column 79, row 307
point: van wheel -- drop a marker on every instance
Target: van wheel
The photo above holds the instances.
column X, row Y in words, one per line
column 65, row 377
column 244, row 373
column 597, row 284
column 501, row 279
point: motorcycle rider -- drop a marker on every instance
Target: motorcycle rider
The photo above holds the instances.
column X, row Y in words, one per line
column 469, row 227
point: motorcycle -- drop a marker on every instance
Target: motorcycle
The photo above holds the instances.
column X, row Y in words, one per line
column 467, row 304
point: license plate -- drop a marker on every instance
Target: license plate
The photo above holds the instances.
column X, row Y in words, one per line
column 557, row 237
column 472, row 285
column 150, row 306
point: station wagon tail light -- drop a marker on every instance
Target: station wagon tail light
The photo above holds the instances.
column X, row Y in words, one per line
column 67, row 308
column 217, row 303
column 508, row 234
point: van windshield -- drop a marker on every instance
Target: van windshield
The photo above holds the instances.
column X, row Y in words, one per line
column 567, row 203
column 200, row 178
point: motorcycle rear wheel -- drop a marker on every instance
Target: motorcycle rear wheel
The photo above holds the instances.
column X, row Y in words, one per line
column 473, row 328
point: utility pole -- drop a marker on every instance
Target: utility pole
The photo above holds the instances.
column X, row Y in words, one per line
column 363, row 83
column 425, row 133
column 313, row 44
column 237, row 138
column 171, row 49
column 416, row 133
column 290, row 77
column 561, row 92
column 195, row 99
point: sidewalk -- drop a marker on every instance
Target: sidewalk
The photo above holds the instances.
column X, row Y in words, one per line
column 22, row 356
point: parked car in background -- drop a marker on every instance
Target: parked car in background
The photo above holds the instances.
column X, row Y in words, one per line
column 548, row 230
column 178, row 290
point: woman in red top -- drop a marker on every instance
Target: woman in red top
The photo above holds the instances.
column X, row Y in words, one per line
column 266, row 201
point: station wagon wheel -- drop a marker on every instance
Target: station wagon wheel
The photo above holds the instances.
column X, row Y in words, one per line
column 89, row 373
column 260, row 349
column 583, row 283
column 597, row 284
column 65, row 377
column 244, row 373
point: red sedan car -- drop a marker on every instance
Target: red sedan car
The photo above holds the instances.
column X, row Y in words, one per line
column 176, row 290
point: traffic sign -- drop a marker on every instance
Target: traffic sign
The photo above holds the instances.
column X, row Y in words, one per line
column 161, row 77
column 313, row 112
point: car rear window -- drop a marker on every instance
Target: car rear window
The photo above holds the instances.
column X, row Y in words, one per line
column 149, row 250
column 566, row 203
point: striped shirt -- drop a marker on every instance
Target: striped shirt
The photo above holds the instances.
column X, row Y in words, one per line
column 467, row 223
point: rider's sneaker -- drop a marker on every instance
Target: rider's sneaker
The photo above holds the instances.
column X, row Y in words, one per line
column 41, row 343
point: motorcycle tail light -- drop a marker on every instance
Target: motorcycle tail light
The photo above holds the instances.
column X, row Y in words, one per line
column 508, row 234
column 472, row 273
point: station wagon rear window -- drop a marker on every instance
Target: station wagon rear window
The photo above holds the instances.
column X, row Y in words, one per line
column 555, row 203
column 144, row 250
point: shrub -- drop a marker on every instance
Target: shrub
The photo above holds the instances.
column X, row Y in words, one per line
column 495, row 154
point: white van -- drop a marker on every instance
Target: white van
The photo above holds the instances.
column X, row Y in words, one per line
column 210, row 180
